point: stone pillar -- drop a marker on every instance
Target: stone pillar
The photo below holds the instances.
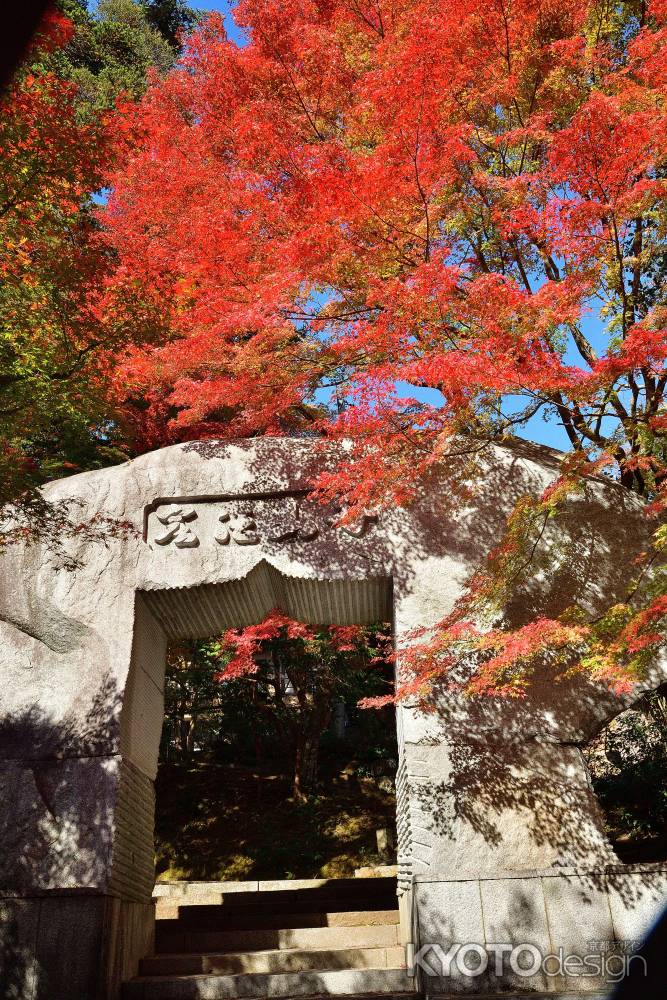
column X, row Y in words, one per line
column 483, row 805
column 77, row 802
column 503, row 860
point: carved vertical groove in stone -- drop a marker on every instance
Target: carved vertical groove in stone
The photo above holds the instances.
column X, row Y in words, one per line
column 133, row 870
column 403, row 831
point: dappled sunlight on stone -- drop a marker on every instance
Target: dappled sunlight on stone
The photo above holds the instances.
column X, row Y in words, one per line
column 492, row 796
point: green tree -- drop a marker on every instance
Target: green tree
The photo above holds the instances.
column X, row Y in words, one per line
column 193, row 702
column 114, row 48
column 628, row 765
column 300, row 671
column 278, row 698
column 52, row 265
column 171, row 18
column 57, row 139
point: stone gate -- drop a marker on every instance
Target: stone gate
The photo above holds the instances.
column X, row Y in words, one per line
column 500, row 837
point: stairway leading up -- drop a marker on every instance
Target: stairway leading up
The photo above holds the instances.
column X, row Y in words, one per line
column 335, row 937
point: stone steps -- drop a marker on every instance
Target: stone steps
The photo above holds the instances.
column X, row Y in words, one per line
column 338, row 982
column 321, row 918
column 274, row 961
column 279, row 939
column 271, row 922
column 360, row 935
column 222, row 913
column 183, row 888
column 211, row 898
column 284, row 896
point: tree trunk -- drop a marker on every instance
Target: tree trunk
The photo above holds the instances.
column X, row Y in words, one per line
column 310, row 721
column 305, row 766
column 187, row 728
column 190, row 743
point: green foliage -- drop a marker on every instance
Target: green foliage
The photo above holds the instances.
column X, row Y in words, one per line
column 628, row 764
column 55, row 412
column 262, row 714
column 113, row 49
column 192, row 699
column 230, row 751
column 171, row 18
column 52, row 265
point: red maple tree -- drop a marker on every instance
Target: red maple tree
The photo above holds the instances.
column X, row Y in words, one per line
column 374, row 195
column 312, row 667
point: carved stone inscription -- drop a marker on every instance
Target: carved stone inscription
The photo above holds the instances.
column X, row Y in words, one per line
column 279, row 521
column 239, row 528
column 178, row 529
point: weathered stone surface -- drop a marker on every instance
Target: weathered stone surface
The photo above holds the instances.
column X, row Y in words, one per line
column 19, row 924
column 450, row 916
column 579, row 919
column 129, row 936
column 515, row 914
column 219, row 533
column 70, row 947
column 479, row 808
column 337, row 982
column 565, row 917
column 133, row 863
column 276, row 960
column 57, row 822
column 636, row 899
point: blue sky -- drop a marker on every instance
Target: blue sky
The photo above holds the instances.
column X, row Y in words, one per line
column 224, row 6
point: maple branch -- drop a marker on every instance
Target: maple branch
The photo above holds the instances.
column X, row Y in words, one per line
column 519, row 263
column 637, row 243
column 338, row 318
column 281, row 60
column 480, row 255
column 422, row 193
column 377, row 28
column 582, row 344
column 12, row 202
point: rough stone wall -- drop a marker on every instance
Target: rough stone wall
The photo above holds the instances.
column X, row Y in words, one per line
column 574, row 920
column 403, row 827
column 71, row 946
column 143, row 701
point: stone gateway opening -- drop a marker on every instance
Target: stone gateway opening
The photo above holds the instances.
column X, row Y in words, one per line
column 214, row 925
column 162, row 616
column 500, row 837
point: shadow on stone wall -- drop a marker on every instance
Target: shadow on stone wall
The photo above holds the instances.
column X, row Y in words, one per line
column 57, row 809
column 17, row 959
column 509, row 756
column 583, row 556
column 514, row 794
column 56, row 832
